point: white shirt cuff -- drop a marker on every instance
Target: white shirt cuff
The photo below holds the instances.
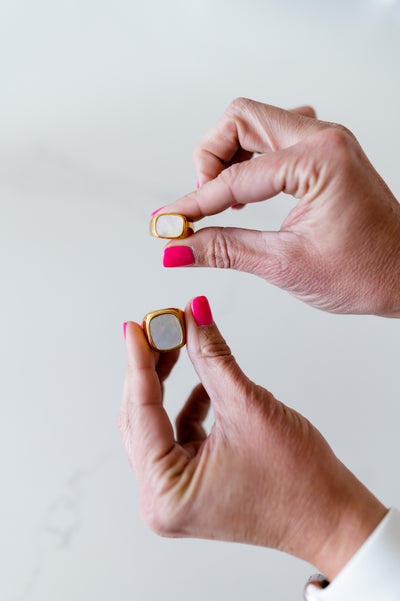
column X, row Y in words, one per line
column 373, row 573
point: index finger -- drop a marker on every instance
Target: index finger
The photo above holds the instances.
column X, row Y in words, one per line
column 251, row 181
column 144, row 424
column 247, row 127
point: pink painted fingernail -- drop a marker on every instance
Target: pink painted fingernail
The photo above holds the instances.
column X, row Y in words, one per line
column 124, row 328
column 178, row 256
column 198, row 184
column 156, row 211
column 201, row 311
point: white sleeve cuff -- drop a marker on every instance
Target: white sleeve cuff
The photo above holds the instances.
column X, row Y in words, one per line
column 373, row 573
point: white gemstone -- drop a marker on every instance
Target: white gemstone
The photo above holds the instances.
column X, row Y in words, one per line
column 169, row 226
column 165, row 331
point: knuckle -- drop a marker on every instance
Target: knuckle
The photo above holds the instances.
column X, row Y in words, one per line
column 260, row 401
column 345, row 131
column 161, row 516
column 211, row 346
column 338, row 143
column 338, row 138
column 239, row 105
column 213, row 349
column 199, row 153
column 229, row 178
column 232, row 174
column 219, row 251
column 154, row 519
column 309, row 111
column 164, row 501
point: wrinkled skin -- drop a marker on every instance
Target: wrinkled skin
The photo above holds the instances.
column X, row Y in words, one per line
column 264, row 475
column 339, row 247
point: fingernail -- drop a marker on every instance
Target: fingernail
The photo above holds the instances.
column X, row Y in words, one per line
column 198, row 184
column 178, row 256
column 201, row 311
column 124, row 328
column 156, row 211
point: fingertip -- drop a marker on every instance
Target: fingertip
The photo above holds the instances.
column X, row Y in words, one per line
column 178, row 256
column 312, row 111
column 201, row 311
column 157, row 210
column 138, row 350
column 210, row 355
column 305, row 111
column 128, row 327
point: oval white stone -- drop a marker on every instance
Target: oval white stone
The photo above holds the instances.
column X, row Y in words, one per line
column 170, row 226
column 165, row 331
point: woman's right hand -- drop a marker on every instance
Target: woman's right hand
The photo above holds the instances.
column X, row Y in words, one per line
column 263, row 475
column 339, row 247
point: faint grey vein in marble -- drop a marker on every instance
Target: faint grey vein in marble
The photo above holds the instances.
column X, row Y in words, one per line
column 61, row 521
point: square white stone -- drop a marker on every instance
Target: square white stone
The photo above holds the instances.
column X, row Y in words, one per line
column 166, row 331
column 170, row 226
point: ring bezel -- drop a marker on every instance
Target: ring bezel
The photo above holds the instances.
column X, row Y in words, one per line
column 180, row 316
column 187, row 227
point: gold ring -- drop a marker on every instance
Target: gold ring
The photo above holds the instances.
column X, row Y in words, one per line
column 165, row 329
column 171, row 225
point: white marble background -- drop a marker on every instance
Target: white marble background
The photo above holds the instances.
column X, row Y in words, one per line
column 101, row 104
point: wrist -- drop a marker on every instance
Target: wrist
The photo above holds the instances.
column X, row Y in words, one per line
column 372, row 573
column 351, row 522
column 389, row 280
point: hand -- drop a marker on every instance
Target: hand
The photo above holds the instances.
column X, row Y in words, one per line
column 339, row 247
column 264, row 475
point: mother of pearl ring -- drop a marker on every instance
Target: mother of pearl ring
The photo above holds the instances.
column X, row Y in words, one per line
column 171, row 225
column 165, row 329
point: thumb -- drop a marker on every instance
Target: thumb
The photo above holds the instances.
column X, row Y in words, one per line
column 225, row 383
column 271, row 255
column 254, row 180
